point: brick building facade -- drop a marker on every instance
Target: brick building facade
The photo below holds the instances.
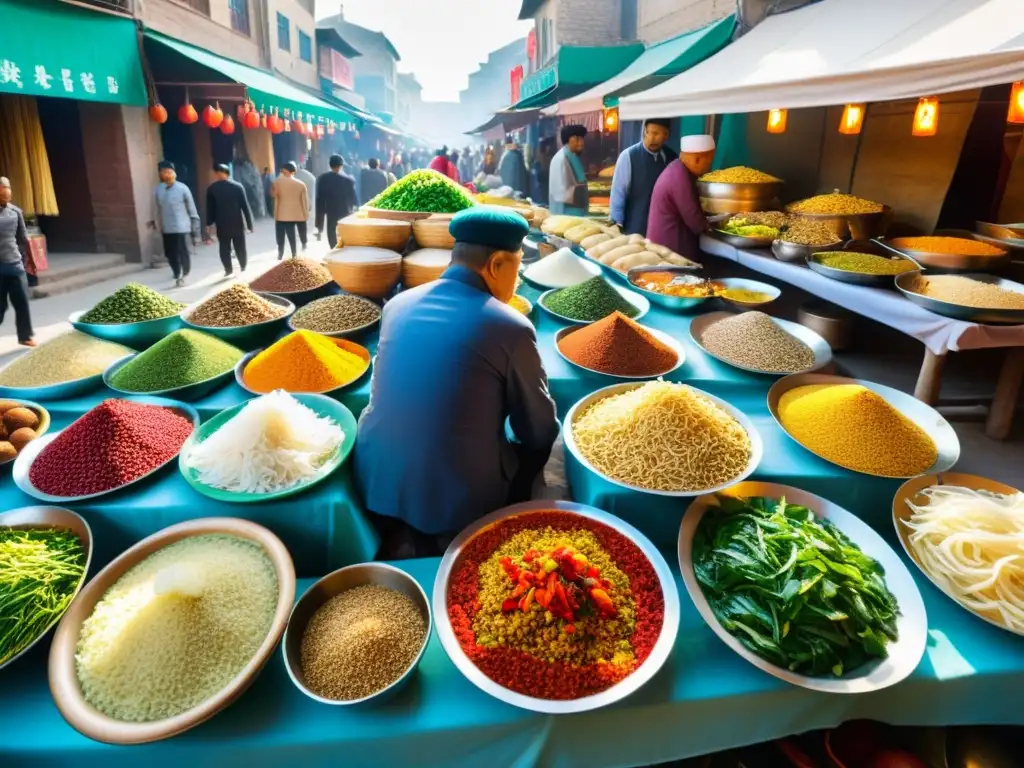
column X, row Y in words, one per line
column 661, row 19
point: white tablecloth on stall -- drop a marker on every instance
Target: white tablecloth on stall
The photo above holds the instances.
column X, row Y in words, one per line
column 940, row 334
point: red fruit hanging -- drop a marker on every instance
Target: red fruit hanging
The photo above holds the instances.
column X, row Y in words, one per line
column 187, row 114
column 228, row 126
column 275, row 124
column 251, row 120
column 299, row 126
column 212, row 116
column 158, row 113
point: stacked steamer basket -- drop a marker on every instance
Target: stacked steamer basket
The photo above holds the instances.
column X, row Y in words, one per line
column 373, row 233
column 365, row 271
column 433, row 232
column 424, row 266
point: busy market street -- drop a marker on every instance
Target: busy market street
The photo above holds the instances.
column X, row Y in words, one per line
column 631, row 383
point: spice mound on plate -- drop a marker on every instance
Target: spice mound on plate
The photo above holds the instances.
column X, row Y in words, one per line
column 68, row 357
column 360, row 642
column 40, row 569
column 864, row 263
column 424, row 190
column 132, row 304
column 177, row 627
column 233, row 307
column 559, row 270
column 856, row 428
column 304, row 361
column 836, row 204
column 274, row 443
column 808, row 232
column 115, row 443
column 292, row 275
column 738, row 174
column 956, row 246
column 966, row 292
column 334, row 314
column 663, row 436
column 588, row 301
column 183, row 358
column 754, row 340
column 619, row 346
column 554, row 605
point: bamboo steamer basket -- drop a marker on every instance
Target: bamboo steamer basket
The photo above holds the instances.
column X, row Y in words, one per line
column 424, row 266
column 365, row 271
column 433, row 233
column 374, row 233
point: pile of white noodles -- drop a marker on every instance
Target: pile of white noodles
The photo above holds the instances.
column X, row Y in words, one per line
column 273, row 443
column 972, row 544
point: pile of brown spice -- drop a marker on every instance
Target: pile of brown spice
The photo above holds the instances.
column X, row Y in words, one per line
column 234, row 307
column 618, row 346
column 292, row 275
column 957, row 289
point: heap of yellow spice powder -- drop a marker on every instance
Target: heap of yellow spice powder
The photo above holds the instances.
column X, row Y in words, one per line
column 304, row 361
column 856, row 428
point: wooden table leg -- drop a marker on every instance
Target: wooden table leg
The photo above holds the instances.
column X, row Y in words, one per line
column 1000, row 415
column 929, row 380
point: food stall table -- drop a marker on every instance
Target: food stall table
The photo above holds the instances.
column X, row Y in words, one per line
column 706, row 698
column 940, row 335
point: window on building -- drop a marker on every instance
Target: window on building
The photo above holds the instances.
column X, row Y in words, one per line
column 305, row 47
column 239, row 11
column 284, row 33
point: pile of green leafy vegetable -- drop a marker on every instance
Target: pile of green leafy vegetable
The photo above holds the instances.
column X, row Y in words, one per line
column 423, row 191
column 791, row 587
column 39, row 572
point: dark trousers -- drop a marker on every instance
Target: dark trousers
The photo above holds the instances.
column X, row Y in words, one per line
column 226, row 242
column 15, row 289
column 332, row 232
column 287, row 229
column 177, row 252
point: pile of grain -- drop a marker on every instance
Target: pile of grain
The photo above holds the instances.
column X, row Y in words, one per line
column 292, row 275
column 333, row 314
column 234, row 307
column 68, row 357
column 966, row 292
column 754, row 340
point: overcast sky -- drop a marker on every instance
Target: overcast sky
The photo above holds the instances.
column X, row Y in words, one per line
column 425, row 34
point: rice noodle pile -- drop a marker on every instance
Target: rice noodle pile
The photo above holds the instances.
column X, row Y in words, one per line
column 971, row 542
column 663, row 436
column 273, row 443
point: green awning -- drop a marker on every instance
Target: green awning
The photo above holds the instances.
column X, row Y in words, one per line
column 574, row 70
column 49, row 48
column 264, row 89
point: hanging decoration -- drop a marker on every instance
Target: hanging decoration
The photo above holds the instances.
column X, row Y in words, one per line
column 1015, row 114
column 263, row 120
column 212, row 116
column 251, row 120
column 187, row 114
column 777, row 120
column 227, row 126
column 275, row 124
column 926, row 117
column 853, row 119
column 158, row 113
column 298, row 127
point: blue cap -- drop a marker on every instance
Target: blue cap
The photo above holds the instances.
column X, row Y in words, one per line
column 493, row 226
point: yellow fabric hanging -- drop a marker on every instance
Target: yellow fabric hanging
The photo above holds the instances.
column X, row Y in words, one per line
column 23, row 156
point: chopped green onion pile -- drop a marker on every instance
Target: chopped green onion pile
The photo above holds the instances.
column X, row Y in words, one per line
column 423, row 191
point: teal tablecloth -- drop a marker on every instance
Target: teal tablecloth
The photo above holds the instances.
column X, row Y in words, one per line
column 706, row 698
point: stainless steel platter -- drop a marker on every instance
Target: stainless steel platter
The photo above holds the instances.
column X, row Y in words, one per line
column 822, row 351
column 756, row 445
column 923, row 415
column 765, row 191
column 661, row 336
column 955, row 262
column 797, row 253
column 740, row 241
column 632, row 683
column 904, row 654
column 641, row 303
column 960, row 312
column 845, row 276
column 674, row 303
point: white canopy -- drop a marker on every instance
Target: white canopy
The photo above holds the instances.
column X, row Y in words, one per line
column 849, row 51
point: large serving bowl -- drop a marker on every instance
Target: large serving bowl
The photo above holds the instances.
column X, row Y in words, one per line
column 661, row 336
column 674, row 303
column 633, row 682
column 756, row 445
column 923, row 415
column 334, row 584
column 250, row 336
column 855, row 226
column 761, row 192
column 744, row 284
column 641, row 303
column 188, row 393
column 912, row 626
column 822, row 351
column 135, row 335
column 62, row 391
column 345, row 344
column 741, row 241
column 64, row 685
column 784, row 250
column 954, row 262
column 959, row 311
column 50, row 517
column 40, row 429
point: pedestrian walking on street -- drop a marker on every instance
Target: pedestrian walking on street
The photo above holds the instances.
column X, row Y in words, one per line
column 227, row 210
column 14, row 253
column 335, row 199
column 178, row 220
column 512, row 168
column 372, row 180
column 291, row 209
column 268, row 185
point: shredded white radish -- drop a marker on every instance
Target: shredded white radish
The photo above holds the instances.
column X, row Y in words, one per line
column 272, row 444
column 972, row 543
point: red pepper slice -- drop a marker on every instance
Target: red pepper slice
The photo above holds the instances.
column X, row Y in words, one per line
column 510, row 605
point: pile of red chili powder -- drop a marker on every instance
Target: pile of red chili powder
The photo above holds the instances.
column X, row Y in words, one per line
column 116, row 442
column 618, row 346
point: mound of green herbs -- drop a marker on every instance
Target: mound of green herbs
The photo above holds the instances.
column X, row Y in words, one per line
column 423, row 191
column 590, row 300
column 39, row 573
column 791, row 587
column 134, row 303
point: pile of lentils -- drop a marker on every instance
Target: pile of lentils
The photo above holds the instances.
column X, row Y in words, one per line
column 292, row 275
column 134, row 303
column 588, row 301
column 360, row 642
column 754, row 340
column 333, row 314
column 234, row 307
column 183, row 358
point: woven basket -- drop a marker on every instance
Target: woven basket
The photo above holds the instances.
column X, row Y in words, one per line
column 433, row 233
column 365, row 271
column 373, row 233
column 424, row 266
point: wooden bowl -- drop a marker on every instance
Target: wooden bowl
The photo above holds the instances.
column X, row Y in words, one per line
column 392, row 234
column 424, row 266
column 64, row 685
column 364, row 271
column 433, row 233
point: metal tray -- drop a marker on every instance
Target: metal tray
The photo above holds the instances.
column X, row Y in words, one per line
column 739, row 241
column 960, row 312
column 843, row 276
column 797, row 253
column 640, row 302
column 659, row 654
column 923, row 415
column 661, row 336
column 822, row 351
column 955, row 262
column 904, row 654
column 756, row 445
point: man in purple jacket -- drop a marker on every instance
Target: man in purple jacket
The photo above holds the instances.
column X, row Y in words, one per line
column 676, row 219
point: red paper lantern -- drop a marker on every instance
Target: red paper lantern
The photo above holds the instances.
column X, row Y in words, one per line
column 187, row 114
column 275, row 124
column 158, row 113
column 251, row 120
column 228, row 126
column 212, row 116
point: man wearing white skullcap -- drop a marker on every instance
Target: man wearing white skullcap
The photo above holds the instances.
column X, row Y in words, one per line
column 676, row 219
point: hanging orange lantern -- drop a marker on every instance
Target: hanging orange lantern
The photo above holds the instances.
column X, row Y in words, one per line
column 227, row 127
column 251, row 120
column 276, row 124
column 187, row 114
column 298, row 127
column 926, row 117
column 158, row 113
column 777, row 120
column 1015, row 114
column 212, row 116
column 853, row 119
column 611, row 120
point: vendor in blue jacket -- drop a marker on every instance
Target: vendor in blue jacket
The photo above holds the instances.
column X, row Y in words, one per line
column 460, row 421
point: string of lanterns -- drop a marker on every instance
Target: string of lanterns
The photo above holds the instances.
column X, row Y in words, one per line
column 249, row 117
